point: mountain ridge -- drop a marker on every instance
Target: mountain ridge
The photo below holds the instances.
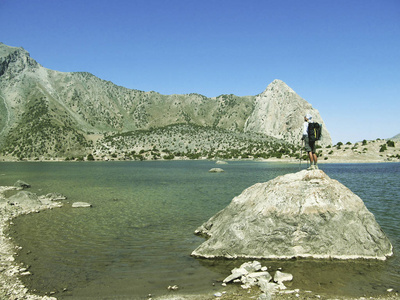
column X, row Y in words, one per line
column 71, row 107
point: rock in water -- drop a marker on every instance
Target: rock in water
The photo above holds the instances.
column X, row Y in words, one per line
column 216, row 170
column 303, row 214
column 81, row 204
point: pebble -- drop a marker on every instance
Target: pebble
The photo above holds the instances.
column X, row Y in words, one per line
column 173, row 287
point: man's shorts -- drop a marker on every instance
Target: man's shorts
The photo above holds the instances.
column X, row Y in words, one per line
column 309, row 146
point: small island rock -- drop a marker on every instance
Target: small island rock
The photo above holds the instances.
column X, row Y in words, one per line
column 303, row 214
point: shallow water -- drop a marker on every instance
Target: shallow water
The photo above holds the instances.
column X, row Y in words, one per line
column 138, row 236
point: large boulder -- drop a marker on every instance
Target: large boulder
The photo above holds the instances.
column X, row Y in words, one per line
column 303, row 214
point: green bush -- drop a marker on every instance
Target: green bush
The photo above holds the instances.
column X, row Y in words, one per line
column 383, row 148
column 169, row 156
column 390, row 143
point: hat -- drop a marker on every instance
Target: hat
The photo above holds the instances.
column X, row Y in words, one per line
column 308, row 116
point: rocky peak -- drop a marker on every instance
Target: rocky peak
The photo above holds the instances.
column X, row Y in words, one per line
column 279, row 112
column 14, row 60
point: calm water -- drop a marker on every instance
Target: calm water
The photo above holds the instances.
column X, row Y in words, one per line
column 138, row 236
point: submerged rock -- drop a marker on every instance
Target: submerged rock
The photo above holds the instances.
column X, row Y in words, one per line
column 303, row 214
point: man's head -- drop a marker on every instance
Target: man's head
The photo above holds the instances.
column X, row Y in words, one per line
column 307, row 117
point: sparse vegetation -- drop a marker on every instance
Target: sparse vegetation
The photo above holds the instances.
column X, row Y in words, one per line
column 194, row 142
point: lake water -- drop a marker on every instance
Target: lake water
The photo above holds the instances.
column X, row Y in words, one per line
column 137, row 238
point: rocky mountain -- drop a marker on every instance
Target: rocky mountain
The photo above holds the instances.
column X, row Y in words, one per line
column 279, row 111
column 46, row 113
column 396, row 138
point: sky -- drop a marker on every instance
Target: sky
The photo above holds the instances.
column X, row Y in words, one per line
column 341, row 56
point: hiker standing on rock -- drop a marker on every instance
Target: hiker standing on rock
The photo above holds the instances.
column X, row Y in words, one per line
column 309, row 145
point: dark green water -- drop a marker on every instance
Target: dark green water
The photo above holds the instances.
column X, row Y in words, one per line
column 138, row 236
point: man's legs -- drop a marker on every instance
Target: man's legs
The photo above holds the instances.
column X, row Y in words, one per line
column 311, row 157
column 315, row 160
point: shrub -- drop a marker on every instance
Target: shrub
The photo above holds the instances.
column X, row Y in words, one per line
column 169, row 156
column 383, row 148
column 390, row 143
column 364, row 142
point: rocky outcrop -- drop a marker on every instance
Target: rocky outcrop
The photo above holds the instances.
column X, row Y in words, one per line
column 304, row 214
column 279, row 112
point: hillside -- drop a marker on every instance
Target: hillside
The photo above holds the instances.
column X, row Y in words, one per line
column 46, row 114
column 396, row 138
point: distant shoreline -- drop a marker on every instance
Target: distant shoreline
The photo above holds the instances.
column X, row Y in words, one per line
column 378, row 151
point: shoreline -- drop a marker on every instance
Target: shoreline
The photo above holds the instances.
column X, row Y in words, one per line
column 268, row 160
column 11, row 287
column 375, row 151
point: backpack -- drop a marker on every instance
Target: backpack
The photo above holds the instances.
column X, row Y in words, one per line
column 314, row 131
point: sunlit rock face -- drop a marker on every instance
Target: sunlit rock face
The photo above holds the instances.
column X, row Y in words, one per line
column 279, row 112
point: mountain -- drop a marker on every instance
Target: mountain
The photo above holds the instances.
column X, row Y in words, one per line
column 279, row 112
column 396, row 138
column 46, row 113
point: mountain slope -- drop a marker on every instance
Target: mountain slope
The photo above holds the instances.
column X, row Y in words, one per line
column 50, row 113
column 396, row 138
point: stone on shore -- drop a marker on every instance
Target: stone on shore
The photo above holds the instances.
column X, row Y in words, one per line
column 22, row 184
column 25, row 199
column 303, row 214
column 280, row 277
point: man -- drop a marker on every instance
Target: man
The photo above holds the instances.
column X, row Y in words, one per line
column 309, row 146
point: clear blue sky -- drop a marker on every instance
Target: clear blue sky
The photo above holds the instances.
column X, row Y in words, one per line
column 342, row 56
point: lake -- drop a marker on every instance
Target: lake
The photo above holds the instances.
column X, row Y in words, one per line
column 137, row 238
